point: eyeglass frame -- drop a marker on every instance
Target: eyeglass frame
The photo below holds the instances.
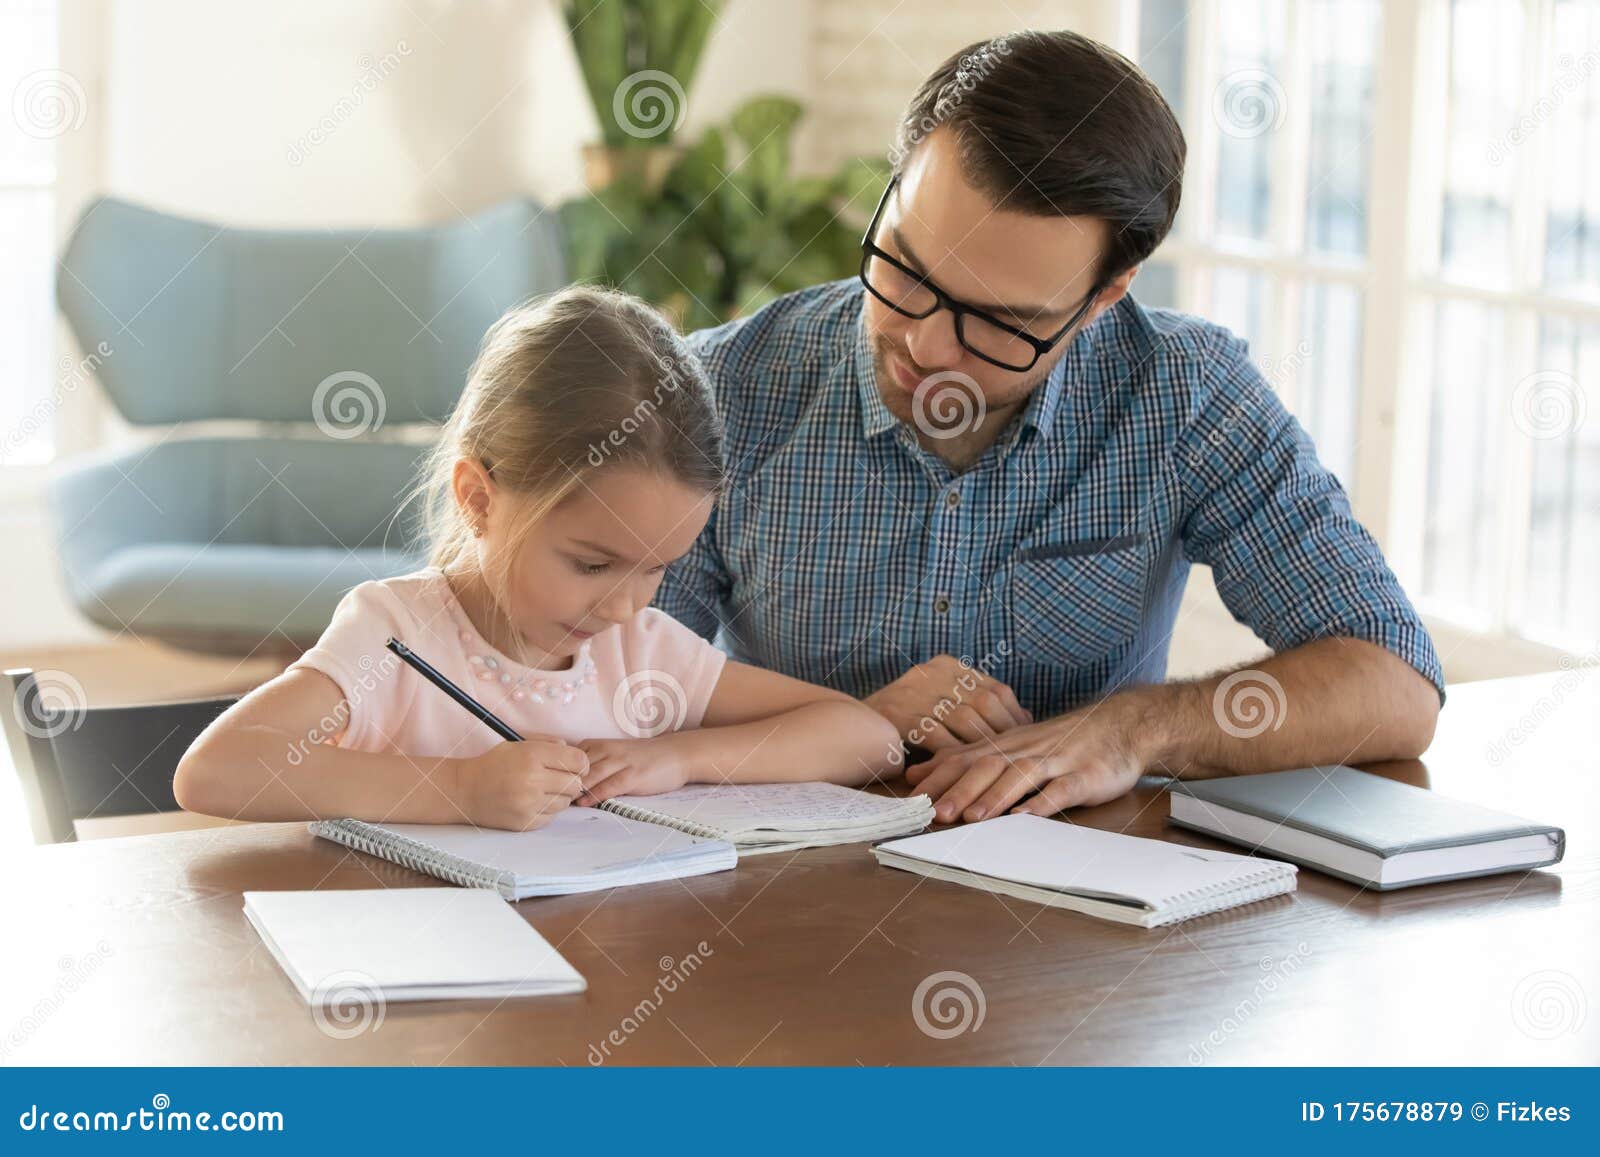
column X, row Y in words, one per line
column 958, row 309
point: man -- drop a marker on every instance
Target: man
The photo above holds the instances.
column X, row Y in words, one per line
column 984, row 448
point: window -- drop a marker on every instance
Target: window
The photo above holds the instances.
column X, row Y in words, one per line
column 1505, row 314
column 1421, row 284
column 42, row 103
column 1272, row 237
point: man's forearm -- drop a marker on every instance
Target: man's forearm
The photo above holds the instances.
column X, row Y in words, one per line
column 1331, row 701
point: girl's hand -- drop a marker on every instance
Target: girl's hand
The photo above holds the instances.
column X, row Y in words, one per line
column 520, row 786
column 632, row 767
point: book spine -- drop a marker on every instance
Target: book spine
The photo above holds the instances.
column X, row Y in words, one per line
column 408, row 853
column 688, row 827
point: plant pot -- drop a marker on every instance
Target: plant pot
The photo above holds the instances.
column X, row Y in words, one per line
column 604, row 164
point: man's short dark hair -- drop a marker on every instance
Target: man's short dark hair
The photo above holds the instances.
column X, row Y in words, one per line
column 1057, row 125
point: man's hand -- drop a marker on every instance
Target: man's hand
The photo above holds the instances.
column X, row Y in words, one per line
column 1335, row 700
column 944, row 703
column 1087, row 756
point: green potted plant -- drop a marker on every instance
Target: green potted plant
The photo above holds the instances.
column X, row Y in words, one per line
column 726, row 227
column 638, row 58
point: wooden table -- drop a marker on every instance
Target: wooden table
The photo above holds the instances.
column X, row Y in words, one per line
column 134, row 951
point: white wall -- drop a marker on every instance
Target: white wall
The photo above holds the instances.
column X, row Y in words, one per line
column 425, row 108
column 311, row 112
column 869, row 56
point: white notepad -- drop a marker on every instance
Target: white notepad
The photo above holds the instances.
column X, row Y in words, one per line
column 581, row 850
column 399, row 944
column 779, row 817
column 1105, row 874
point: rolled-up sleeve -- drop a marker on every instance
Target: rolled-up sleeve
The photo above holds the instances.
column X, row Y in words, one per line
column 1289, row 557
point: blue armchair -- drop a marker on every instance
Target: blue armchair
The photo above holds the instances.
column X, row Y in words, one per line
column 318, row 359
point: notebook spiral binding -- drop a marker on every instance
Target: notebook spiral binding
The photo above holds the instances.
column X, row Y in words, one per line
column 414, row 854
column 1216, row 897
column 688, row 827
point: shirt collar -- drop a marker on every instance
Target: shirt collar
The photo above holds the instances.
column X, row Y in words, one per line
column 1040, row 411
column 1065, row 376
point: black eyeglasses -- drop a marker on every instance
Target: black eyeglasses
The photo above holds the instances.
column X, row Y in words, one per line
column 912, row 295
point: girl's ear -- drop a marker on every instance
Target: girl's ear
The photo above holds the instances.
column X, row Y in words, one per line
column 474, row 491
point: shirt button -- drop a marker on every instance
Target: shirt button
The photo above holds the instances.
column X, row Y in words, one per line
column 953, row 498
column 941, row 605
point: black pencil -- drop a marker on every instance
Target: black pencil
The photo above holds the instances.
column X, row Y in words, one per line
column 494, row 722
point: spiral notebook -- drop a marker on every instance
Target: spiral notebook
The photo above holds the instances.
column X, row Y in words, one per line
column 638, row 839
column 1104, row 874
column 581, row 850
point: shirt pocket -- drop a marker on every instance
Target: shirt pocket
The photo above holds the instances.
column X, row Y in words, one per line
column 1075, row 603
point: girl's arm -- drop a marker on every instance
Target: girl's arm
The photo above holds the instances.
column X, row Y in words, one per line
column 267, row 758
column 759, row 727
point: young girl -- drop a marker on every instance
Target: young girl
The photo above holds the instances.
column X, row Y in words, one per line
column 583, row 459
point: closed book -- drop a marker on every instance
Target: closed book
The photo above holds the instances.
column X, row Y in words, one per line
column 1362, row 827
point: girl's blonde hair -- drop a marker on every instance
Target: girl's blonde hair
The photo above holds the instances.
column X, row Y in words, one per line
column 563, row 386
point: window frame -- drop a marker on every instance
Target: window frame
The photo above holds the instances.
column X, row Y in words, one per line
column 1397, row 277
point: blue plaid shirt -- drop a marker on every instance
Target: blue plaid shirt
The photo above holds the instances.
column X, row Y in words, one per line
column 843, row 552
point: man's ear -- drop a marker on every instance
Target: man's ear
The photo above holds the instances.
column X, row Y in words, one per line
column 474, row 492
column 1113, row 293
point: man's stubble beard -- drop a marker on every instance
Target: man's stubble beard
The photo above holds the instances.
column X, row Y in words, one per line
column 999, row 406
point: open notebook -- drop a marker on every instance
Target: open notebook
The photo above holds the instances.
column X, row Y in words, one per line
column 581, row 850
column 356, row 949
column 779, row 817
column 1105, row 874
column 637, row 839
